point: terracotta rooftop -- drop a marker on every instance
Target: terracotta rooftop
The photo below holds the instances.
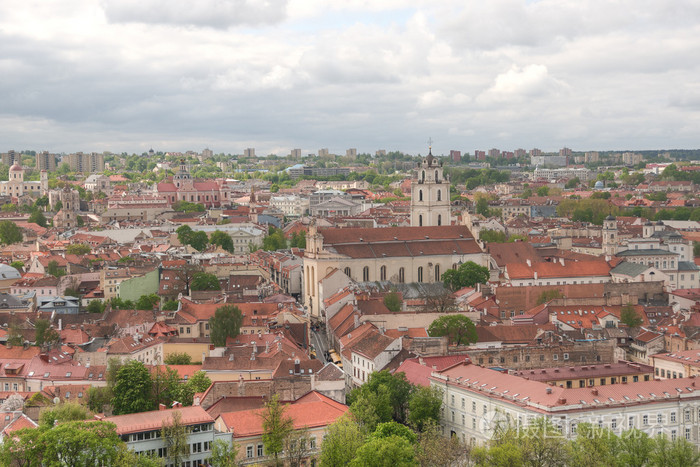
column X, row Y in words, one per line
column 154, row 420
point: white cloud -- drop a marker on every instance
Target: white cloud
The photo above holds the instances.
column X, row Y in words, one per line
column 518, row 84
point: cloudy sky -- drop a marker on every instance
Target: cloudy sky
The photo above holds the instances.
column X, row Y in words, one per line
column 127, row 75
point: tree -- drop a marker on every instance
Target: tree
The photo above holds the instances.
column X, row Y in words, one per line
column 274, row 240
column 45, row 334
column 147, row 302
column 439, row 300
column 199, row 382
column 132, row 389
column 573, row 183
column 54, row 270
column 18, row 265
column 492, row 236
column 10, row 233
column 466, row 275
column 458, row 328
column 424, row 407
column 387, row 393
column 23, row 448
column 14, row 334
column 38, row 218
column 186, row 274
column 385, row 430
column 65, row 412
column 205, row 281
column 548, row 295
column 543, row 191
column 630, row 317
column 96, row 306
column 178, row 359
column 170, row 305
column 186, row 236
column 343, row 438
column 58, row 206
column 393, row 451
column 298, row 240
column 392, row 301
column 222, row 239
column 175, row 438
column 166, row 387
column 99, row 397
column 677, row 453
column 276, row 428
column 223, row 454
column 80, row 443
column 226, row 322
column 78, row 249
column 433, row 450
column 297, row 447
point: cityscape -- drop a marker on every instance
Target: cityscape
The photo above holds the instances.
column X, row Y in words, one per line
column 297, row 233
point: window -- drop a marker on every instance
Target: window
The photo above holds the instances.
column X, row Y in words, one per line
column 249, row 451
column 659, row 418
column 260, row 450
column 365, row 274
column 673, row 417
column 420, row 220
column 645, row 419
column 347, row 272
column 437, row 270
column 439, row 193
column 613, row 423
column 420, row 194
column 630, row 422
column 402, row 277
column 687, row 415
column 439, row 217
column 382, row 273
column 687, row 434
column 674, row 435
column 474, row 407
column 420, row 274
column 566, row 356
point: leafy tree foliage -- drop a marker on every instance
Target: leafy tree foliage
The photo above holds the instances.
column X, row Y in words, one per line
column 393, row 301
column 61, row 413
column 78, row 249
column 204, row 281
column 387, row 394
column 222, row 239
column 178, row 359
column 548, row 295
column 424, row 407
column 132, row 389
column 433, row 450
column 45, row 334
column 466, row 275
column 96, row 306
column 385, row 430
column 630, row 317
column 492, row 236
column 53, row 269
column 274, row 240
column 586, row 210
column 18, row 265
column 199, row 382
column 38, row 218
column 343, row 438
column 276, row 427
column 187, row 236
column 298, row 240
column 99, row 397
column 174, row 436
column 392, row 451
column 147, row 302
column 572, row 183
column 458, row 328
column 226, row 322
column 223, row 454
column 170, row 305
column 543, row 191
column 186, row 206
column 9, row 233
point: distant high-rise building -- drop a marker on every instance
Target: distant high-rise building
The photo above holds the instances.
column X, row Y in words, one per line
column 9, row 157
column 495, row 153
column 380, row 152
column 296, row 153
column 249, row 152
column 207, row 153
column 86, row 163
column 520, row 152
column 323, row 152
column 352, row 152
column 455, row 155
column 45, row 161
column 535, row 152
column 508, row 154
column 480, row 155
column 631, row 158
column 565, row 152
column 591, row 157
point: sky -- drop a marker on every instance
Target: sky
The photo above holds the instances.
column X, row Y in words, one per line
column 178, row 75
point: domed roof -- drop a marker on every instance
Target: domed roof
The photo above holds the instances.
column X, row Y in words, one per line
column 16, row 167
column 610, row 218
column 599, row 184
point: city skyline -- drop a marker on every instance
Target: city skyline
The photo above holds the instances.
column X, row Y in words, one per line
column 110, row 75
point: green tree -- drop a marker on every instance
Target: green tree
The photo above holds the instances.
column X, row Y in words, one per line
column 343, row 438
column 199, row 240
column 45, row 334
column 23, row 448
column 433, row 450
column 593, row 446
column 276, row 427
column 492, row 236
column 199, row 382
column 167, row 388
column 18, row 265
column 226, row 322
column 543, row 191
column 678, row 453
column 393, row 451
column 275, row 240
column 573, row 183
column 393, row 301
column 132, row 389
column 222, row 239
column 80, row 443
column 178, row 359
column 147, row 302
column 9, row 208
column 9, row 233
column 99, row 397
column 297, row 447
column 298, row 239
column 458, row 328
column 58, row 206
column 387, row 429
column 224, row 454
column 78, row 249
column 65, row 412
column 170, row 305
column 466, row 275
column 38, row 218
column 204, row 281
column 54, row 270
column 96, row 306
column 424, row 407
column 186, row 206
column 184, row 233
column 174, row 436
column 630, row 317
column 387, row 393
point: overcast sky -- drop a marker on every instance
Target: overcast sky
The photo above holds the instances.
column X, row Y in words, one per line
column 177, row 75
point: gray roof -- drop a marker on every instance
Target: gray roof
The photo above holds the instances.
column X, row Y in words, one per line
column 687, row 266
column 629, row 269
column 8, row 272
column 646, row 252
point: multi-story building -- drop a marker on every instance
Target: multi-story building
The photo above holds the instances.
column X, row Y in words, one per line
column 290, row 205
column 323, row 152
column 495, row 153
column 555, row 174
column 96, row 183
column 295, row 153
column 142, row 433
column 380, row 152
column 520, row 152
column 86, row 163
column 17, row 187
column 249, row 152
column 590, row 375
column 591, row 157
column 631, row 158
column 477, row 400
column 680, row 364
column 10, row 157
column 480, row 155
column 455, row 155
column 548, row 161
column 430, row 194
column 535, row 152
column 565, row 152
column 351, row 152
column 45, row 161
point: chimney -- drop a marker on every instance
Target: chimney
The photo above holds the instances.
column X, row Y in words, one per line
column 267, row 347
column 279, row 345
column 357, row 320
column 549, row 390
column 529, row 263
column 161, row 406
column 60, row 324
column 561, row 260
column 255, row 347
column 230, row 358
column 594, row 391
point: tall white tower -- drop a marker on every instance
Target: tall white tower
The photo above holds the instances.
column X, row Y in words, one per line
column 610, row 240
column 430, row 194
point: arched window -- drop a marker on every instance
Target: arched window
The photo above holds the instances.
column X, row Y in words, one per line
column 402, row 277
column 420, row 220
column 347, row 272
column 422, row 177
column 439, row 195
column 436, row 177
column 439, row 219
column 437, row 273
column 365, row 274
column 420, row 274
column 420, row 195
column 382, row 273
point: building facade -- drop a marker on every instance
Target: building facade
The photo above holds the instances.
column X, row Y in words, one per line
column 430, row 195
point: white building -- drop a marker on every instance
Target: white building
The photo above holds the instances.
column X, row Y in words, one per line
column 17, row 187
column 477, row 398
column 290, row 205
column 430, row 195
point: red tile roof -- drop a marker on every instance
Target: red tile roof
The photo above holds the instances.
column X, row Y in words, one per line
column 154, row 420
